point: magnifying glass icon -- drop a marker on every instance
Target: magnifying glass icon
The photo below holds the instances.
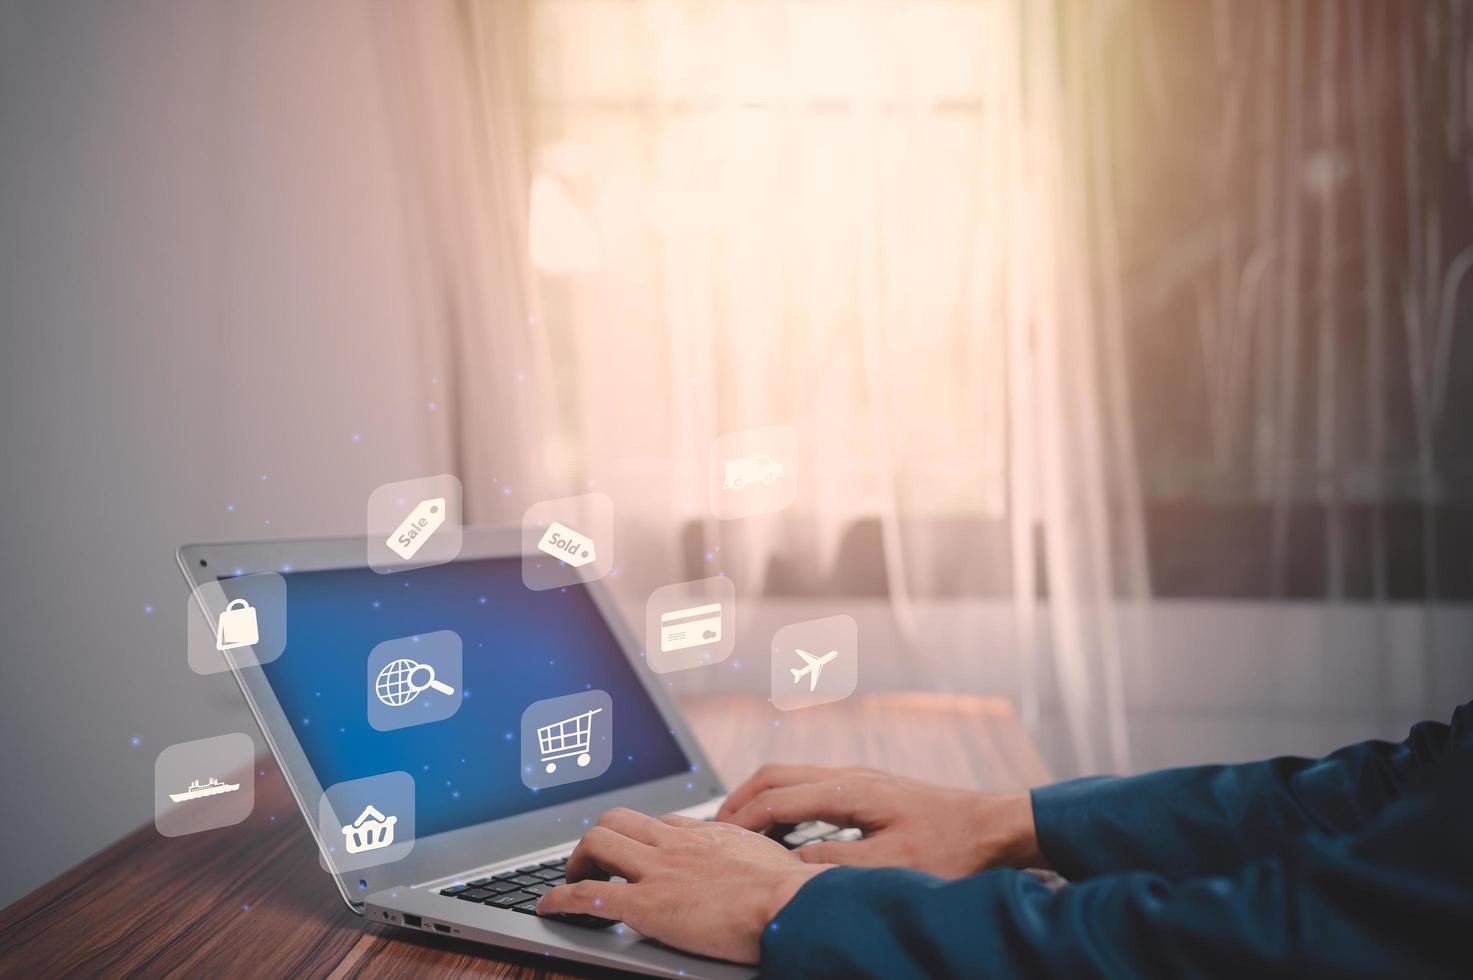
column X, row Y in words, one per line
column 401, row 681
column 429, row 681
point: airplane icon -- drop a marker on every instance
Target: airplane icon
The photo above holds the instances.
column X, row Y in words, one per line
column 813, row 668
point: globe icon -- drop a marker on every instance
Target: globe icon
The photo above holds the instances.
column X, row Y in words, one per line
column 393, row 686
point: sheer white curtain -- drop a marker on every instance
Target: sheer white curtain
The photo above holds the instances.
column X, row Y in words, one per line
column 455, row 89
column 859, row 218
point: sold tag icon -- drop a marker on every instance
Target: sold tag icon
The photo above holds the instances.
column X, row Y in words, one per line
column 567, row 545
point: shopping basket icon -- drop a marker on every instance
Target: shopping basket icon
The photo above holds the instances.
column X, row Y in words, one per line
column 566, row 738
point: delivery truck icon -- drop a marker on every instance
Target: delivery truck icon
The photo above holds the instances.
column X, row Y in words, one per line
column 747, row 470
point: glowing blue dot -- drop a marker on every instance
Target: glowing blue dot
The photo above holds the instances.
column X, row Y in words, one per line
column 306, row 721
column 135, row 741
column 286, row 569
column 245, row 906
column 375, row 604
column 357, row 437
column 482, row 600
column 263, row 477
column 148, row 610
column 230, row 508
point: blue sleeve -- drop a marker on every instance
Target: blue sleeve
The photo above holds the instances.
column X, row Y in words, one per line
column 1213, row 819
column 1395, row 899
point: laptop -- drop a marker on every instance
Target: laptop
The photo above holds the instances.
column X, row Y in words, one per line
column 467, row 815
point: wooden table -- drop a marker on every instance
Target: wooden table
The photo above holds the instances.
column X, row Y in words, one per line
column 251, row 900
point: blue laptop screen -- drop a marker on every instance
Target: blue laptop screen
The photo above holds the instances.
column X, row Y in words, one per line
column 519, row 646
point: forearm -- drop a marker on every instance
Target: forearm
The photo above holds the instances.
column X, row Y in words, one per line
column 1211, row 819
column 1390, row 901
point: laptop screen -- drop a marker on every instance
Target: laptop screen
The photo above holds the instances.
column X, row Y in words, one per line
column 518, row 647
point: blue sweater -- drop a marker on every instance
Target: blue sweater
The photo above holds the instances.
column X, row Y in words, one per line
column 1358, row 864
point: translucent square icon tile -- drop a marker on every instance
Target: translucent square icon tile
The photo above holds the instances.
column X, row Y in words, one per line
column 815, row 662
column 367, row 822
column 240, row 620
column 567, row 541
column 754, row 471
column 414, row 680
column 567, row 739
column 414, row 524
column 204, row 784
column 690, row 624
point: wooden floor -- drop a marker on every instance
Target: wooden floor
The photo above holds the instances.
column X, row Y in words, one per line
column 251, row 900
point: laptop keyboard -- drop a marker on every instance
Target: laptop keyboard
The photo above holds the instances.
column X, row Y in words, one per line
column 816, row 830
column 520, row 889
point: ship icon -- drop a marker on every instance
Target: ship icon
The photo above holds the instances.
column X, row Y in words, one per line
column 212, row 788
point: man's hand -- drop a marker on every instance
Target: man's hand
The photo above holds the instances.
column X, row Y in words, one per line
column 708, row 888
column 906, row 823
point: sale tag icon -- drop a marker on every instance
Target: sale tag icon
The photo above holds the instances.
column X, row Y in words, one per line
column 567, row 545
column 416, row 529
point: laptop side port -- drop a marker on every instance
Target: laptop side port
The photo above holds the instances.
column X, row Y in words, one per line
column 413, row 920
column 442, row 928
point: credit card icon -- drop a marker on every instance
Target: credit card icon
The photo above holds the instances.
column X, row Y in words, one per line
column 681, row 629
column 567, row 545
column 417, row 528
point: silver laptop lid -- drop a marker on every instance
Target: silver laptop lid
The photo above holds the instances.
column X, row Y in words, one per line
column 475, row 798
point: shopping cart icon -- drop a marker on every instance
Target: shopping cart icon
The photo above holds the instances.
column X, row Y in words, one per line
column 567, row 738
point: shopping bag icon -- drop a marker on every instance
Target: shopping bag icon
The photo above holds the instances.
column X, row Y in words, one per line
column 237, row 626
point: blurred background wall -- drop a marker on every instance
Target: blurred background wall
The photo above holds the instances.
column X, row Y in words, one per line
column 204, row 338
column 1128, row 343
